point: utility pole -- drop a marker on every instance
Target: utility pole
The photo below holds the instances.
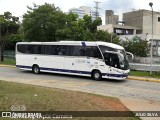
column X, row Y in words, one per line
column 151, row 5
column 97, row 7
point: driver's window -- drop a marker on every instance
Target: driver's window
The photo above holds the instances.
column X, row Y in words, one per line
column 112, row 60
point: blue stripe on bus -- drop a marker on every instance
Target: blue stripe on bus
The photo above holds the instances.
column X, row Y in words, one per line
column 73, row 71
column 20, row 66
column 65, row 70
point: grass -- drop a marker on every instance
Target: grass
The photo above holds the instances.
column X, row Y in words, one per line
column 8, row 61
column 49, row 99
column 145, row 74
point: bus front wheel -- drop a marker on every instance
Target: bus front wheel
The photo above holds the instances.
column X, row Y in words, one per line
column 96, row 75
column 36, row 69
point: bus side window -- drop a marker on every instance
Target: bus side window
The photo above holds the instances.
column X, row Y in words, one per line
column 67, row 50
column 97, row 53
column 50, row 49
column 22, row 48
column 29, row 49
column 89, row 51
column 61, row 50
column 93, row 51
column 36, row 49
column 77, row 51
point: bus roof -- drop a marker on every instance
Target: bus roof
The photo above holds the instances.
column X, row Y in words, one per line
column 87, row 43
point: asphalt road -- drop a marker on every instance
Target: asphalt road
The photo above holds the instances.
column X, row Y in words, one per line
column 127, row 88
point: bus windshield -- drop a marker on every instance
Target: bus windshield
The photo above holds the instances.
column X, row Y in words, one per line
column 115, row 57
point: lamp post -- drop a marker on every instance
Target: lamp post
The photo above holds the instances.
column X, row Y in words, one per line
column 151, row 4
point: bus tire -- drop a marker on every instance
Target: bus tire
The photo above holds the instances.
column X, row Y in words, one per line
column 96, row 75
column 36, row 69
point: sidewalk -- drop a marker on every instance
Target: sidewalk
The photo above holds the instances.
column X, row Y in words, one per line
column 148, row 79
column 141, row 106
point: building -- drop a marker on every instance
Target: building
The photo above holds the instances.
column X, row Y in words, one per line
column 110, row 18
column 142, row 19
column 83, row 10
column 136, row 23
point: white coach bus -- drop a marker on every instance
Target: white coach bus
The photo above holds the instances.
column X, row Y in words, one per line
column 95, row 59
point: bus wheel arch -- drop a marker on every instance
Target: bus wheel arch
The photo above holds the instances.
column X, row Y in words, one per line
column 36, row 69
column 96, row 74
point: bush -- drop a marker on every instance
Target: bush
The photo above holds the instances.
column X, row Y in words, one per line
column 138, row 47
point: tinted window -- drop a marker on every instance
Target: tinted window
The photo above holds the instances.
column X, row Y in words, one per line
column 93, row 51
column 158, row 19
column 51, row 50
column 37, row 49
column 30, row 49
column 56, row 50
column 21, row 48
column 112, row 60
column 61, row 50
column 77, row 51
column 25, row 48
column 106, row 48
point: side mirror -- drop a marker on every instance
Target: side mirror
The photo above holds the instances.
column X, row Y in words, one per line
column 128, row 53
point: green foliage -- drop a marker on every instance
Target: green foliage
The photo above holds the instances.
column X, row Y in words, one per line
column 96, row 23
column 41, row 22
column 155, row 74
column 101, row 35
column 48, row 23
column 8, row 25
column 137, row 46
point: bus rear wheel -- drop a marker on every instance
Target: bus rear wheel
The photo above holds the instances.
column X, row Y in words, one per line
column 96, row 75
column 36, row 69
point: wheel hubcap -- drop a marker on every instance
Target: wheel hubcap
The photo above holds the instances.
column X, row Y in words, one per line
column 36, row 70
column 96, row 75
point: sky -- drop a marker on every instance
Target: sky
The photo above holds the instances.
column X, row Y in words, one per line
column 19, row 7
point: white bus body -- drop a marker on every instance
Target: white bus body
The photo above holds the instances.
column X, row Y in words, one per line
column 95, row 59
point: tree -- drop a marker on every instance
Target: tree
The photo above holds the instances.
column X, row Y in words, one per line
column 73, row 30
column 137, row 46
column 79, row 29
column 8, row 25
column 96, row 23
column 101, row 35
column 41, row 22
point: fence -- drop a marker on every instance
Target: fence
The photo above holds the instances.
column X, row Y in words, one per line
column 143, row 63
column 9, row 54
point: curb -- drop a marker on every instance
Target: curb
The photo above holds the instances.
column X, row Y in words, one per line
column 7, row 66
column 143, row 79
column 129, row 77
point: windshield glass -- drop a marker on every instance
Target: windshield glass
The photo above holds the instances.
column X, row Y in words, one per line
column 115, row 57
